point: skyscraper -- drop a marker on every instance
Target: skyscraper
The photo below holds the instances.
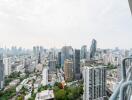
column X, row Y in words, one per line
column 77, row 64
column 7, row 65
column 45, row 76
column 66, row 53
column 94, row 83
column 34, row 51
column 83, row 54
column 1, row 72
column 68, row 70
column 37, row 50
column 52, row 66
column 93, row 49
column 59, row 59
column 39, row 58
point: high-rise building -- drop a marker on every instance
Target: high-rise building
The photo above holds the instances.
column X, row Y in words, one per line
column 27, row 64
column 77, row 65
column 39, row 59
column 94, row 83
column 59, row 59
column 37, row 50
column 7, row 66
column 1, row 73
column 68, row 70
column 52, row 55
column 66, row 53
column 34, row 51
column 93, row 49
column 45, row 76
column 83, row 54
column 52, row 66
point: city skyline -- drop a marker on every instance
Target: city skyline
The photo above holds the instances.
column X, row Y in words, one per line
column 57, row 23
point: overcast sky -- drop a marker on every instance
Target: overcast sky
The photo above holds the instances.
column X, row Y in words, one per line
column 54, row 23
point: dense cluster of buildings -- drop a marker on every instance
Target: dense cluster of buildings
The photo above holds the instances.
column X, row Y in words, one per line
column 64, row 65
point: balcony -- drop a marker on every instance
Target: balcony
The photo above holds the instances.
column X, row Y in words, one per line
column 124, row 89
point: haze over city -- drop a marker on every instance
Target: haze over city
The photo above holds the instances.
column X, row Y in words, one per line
column 55, row 23
column 65, row 49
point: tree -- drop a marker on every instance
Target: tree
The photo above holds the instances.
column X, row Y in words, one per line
column 8, row 94
column 60, row 95
column 70, row 96
column 41, row 88
column 20, row 98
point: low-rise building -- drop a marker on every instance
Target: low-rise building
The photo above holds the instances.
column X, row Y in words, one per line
column 37, row 84
column 45, row 95
column 14, row 82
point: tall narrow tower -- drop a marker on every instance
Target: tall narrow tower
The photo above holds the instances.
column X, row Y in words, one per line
column 93, row 49
column 77, row 64
column 1, row 73
column 39, row 58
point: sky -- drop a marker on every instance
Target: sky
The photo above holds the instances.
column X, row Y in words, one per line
column 55, row 23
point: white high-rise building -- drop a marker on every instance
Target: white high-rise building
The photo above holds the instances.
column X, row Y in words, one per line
column 112, row 58
column 94, row 83
column 45, row 76
column 7, row 66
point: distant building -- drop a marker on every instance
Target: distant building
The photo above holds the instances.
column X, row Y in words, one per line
column 112, row 58
column 1, row 73
column 77, row 65
column 94, row 83
column 66, row 53
column 39, row 68
column 59, row 59
column 93, row 49
column 68, row 70
column 27, row 64
column 39, row 58
column 7, row 66
column 45, row 76
column 36, row 50
column 52, row 65
column 83, row 53
column 15, row 67
column 14, row 82
column 20, row 68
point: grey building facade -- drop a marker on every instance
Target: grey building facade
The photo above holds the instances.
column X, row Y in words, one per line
column 93, row 49
column 1, row 73
column 77, row 64
column 83, row 52
column 59, row 59
column 94, row 83
column 66, row 53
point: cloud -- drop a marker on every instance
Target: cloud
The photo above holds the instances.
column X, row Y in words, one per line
column 60, row 22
